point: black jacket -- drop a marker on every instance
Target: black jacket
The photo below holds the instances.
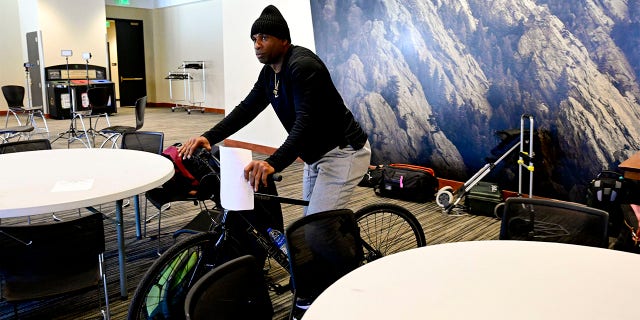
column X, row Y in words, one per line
column 308, row 106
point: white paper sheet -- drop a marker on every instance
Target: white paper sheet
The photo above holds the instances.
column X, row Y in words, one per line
column 235, row 192
column 74, row 185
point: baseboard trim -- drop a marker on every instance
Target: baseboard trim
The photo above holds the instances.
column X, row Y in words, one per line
column 171, row 105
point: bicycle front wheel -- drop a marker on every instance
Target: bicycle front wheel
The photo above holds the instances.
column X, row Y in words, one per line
column 386, row 229
column 162, row 290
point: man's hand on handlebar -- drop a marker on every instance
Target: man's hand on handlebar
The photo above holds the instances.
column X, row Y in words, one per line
column 256, row 172
column 189, row 147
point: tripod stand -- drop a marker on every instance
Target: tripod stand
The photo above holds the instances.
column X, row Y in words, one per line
column 97, row 99
column 73, row 134
column 30, row 109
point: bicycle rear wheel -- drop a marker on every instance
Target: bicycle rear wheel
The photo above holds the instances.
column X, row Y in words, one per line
column 386, row 229
column 162, row 290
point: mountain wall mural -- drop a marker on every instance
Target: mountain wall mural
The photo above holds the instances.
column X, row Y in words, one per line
column 432, row 82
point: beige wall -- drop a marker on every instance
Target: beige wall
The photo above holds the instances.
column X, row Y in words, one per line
column 77, row 25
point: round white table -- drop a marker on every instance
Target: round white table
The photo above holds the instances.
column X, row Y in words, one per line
column 488, row 280
column 77, row 178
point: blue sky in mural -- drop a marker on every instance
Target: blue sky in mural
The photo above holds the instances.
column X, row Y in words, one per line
column 433, row 82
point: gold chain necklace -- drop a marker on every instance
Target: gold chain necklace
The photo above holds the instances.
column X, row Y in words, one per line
column 276, row 85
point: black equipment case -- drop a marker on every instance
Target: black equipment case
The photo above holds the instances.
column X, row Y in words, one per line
column 483, row 198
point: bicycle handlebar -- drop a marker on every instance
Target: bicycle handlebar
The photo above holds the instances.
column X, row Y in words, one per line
column 203, row 153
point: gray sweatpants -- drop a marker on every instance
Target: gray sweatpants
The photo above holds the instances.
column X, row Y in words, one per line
column 329, row 182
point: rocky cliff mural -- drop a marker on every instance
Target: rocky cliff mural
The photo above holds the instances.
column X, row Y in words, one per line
column 433, row 81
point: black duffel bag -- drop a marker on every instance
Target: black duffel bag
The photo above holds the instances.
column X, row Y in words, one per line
column 407, row 182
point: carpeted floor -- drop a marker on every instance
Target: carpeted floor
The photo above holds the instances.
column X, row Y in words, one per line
column 178, row 126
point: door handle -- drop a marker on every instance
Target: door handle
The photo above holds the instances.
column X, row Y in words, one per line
column 125, row 79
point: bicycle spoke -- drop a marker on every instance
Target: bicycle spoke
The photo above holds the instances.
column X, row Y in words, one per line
column 387, row 229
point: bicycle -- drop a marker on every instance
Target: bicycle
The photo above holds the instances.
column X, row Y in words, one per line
column 385, row 229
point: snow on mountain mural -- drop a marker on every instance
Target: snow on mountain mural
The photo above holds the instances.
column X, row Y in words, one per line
column 433, row 81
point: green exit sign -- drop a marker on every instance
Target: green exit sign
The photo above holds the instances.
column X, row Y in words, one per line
column 123, row 2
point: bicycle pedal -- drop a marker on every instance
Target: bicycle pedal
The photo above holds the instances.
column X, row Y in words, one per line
column 278, row 288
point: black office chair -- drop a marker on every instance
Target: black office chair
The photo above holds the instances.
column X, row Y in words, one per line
column 233, row 290
column 25, row 145
column 8, row 133
column 99, row 101
column 113, row 133
column 148, row 141
column 15, row 100
column 41, row 261
column 322, row 248
column 15, row 97
column 554, row 221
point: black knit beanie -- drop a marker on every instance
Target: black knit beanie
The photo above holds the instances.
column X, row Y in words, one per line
column 271, row 22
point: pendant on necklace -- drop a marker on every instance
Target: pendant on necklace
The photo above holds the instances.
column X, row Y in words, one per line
column 276, row 85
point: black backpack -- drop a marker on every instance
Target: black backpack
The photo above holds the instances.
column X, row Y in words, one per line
column 607, row 192
column 198, row 175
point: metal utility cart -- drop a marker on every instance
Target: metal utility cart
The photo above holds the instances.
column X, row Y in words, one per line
column 191, row 82
column 180, row 79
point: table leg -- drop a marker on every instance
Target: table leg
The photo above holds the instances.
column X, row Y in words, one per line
column 136, row 210
column 121, row 250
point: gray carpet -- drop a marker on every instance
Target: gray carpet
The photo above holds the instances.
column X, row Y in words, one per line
column 178, row 126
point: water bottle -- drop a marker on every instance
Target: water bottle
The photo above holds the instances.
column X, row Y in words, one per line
column 279, row 239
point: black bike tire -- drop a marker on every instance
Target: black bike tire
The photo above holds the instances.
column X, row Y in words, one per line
column 197, row 243
column 376, row 230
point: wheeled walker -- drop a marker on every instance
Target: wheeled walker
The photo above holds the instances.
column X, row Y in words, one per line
column 448, row 199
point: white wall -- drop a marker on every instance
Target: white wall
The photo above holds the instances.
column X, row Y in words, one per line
column 189, row 32
column 11, row 57
column 241, row 67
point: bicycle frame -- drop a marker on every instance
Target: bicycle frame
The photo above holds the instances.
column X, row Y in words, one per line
column 375, row 254
column 269, row 247
column 265, row 243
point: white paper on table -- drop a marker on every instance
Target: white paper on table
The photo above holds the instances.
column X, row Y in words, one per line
column 235, row 192
column 75, row 185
